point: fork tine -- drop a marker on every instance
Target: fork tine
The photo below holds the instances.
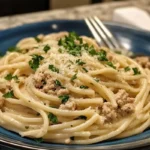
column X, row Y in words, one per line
column 107, row 33
column 101, row 33
column 96, row 36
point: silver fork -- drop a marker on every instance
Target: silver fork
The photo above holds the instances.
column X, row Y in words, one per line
column 104, row 37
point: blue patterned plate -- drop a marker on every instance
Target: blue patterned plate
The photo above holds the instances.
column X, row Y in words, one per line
column 136, row 40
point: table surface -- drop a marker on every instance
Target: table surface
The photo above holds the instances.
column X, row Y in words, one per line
column 103, row 11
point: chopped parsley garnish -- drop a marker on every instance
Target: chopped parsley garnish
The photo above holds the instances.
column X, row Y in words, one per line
column 35, row 62
column 52, row 118
column 102, row 56
column 71, row 61
column 127, row 69
column 92, row 51
column 9, row 94
column 80, row 62
column 136, row 71
column 60, row 50
column 74, row 45
column 84, row 87
column 37, row 39
column 72, row 138
column 110, row 64
column 57, row 82
column 85, row 69
column 10, row 77
column 86, row 46
column 70, row 43
column 61, row 42
column 15, row 77
column 74, row 36
column 76, row 51
column 38, row 140
column 46, row 48
column 53, row 68
column 81, row 117
column 13, row 49
column 74, row 77
column 64, row 98
column 118, row 52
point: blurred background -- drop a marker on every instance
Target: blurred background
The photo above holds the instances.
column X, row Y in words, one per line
column 12, row 7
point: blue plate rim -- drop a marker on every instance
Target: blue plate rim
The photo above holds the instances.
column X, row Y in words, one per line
column 125, row 26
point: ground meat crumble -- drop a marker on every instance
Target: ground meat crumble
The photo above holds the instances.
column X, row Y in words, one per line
column 109, row 112
column 125, row 107
column 69, row 105
column 44, row 82
column 143, row 61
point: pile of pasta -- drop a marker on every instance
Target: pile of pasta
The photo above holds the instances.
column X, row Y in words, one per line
column 64, row 88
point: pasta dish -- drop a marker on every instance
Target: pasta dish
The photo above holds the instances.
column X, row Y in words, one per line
column 64, row 88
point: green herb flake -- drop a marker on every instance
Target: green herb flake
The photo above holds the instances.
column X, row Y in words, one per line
column 92, row 51
column 75, row 51
column 52, row 118
column 136, row 71
column 118, row 52
column 63, row 87
column 85, row 69
column 35, row 61
column 13, row 49
column 84, row 87
column 53, row 68
column 86, row 46
column 64, row 98
column 126, row 69
column 57, row 82
column 71, row 62
column 110, row 64
column 80, row 62
column 15, row 77
column 37, row 39
column 61, row 42
column 38, row 140
column 60, row 50
column 72, row 138
column 102, row 56
column 74, row 77
column 69, row 42
column 46, row 48
column 10, row 77
column 9, row 94
column 81, row 117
